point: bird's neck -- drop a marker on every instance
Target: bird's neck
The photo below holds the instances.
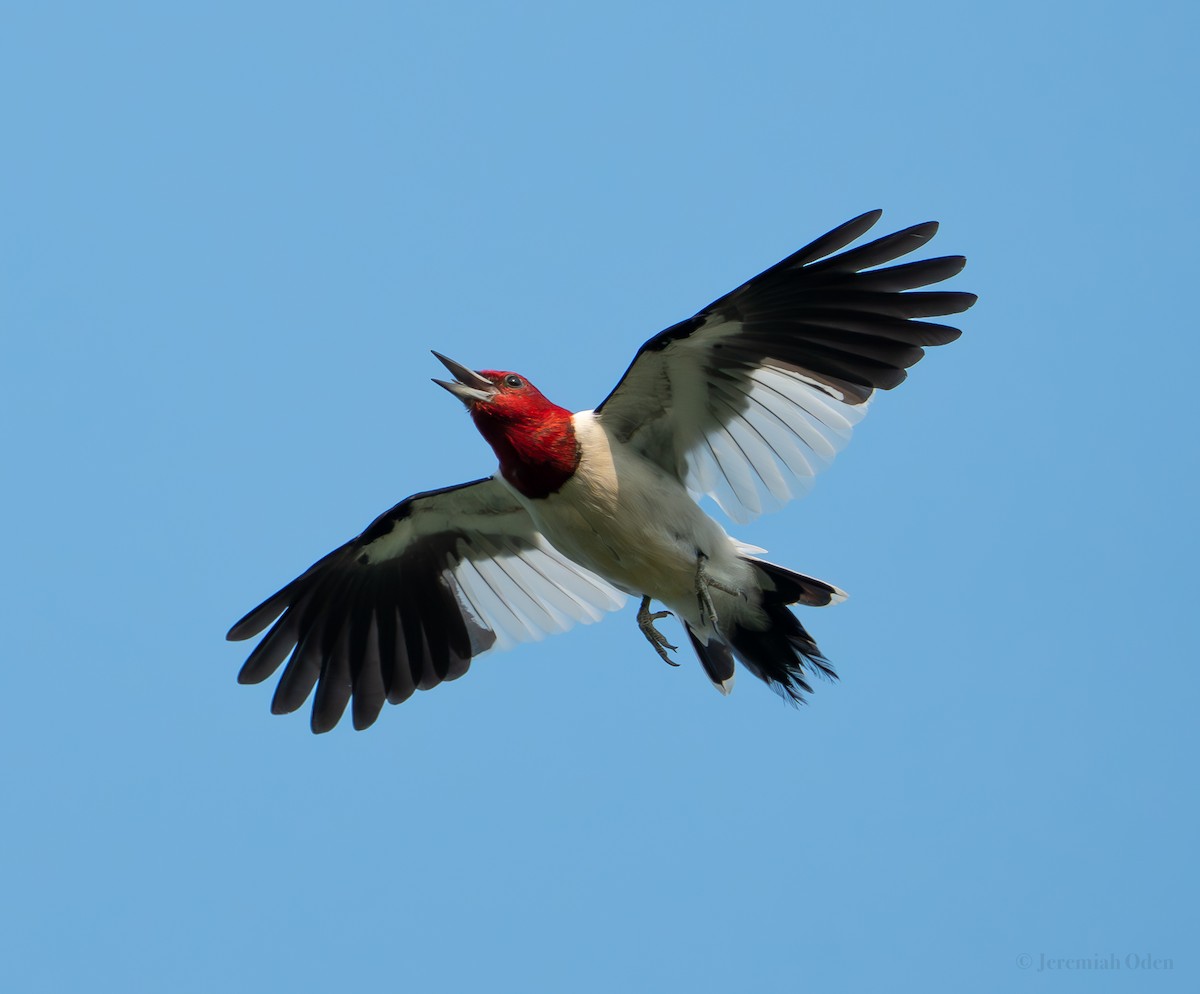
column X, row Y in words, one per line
column 538, row 450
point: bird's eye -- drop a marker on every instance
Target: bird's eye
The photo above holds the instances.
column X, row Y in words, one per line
column 513, row 380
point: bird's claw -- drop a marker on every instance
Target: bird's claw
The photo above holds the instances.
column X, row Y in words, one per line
column 656, row 638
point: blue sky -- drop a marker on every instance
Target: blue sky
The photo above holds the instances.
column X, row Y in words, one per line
column 231, row 234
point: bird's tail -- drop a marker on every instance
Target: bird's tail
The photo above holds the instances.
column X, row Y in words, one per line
column 781, row 654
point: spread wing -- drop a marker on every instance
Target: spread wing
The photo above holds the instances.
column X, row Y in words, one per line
column 430, row 584
column 751, row 398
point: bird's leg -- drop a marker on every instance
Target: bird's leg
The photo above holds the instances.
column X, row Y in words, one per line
column 656, row 638
column 708, row 613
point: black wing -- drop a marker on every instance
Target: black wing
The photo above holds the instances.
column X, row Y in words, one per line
column 751, row 398
column 438, row 579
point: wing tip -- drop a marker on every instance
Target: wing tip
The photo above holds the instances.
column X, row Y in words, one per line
column 962, row 301
column 247, row 679
column 257, row 619
column 320, row 724
column 925, row 230
column 242, row 629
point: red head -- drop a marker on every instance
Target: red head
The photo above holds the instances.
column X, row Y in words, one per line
column 533, row 438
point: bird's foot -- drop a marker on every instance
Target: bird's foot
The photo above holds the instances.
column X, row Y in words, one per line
column 645, row 620
column 708, row 613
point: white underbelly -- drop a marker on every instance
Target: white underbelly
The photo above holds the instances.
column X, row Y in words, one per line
column 627, row 543
column 635, row 525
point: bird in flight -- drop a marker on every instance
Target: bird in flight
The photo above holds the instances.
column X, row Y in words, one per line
column 744, row 402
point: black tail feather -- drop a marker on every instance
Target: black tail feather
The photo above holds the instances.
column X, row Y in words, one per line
column 783, row 655
column 716, row 659
column 796, row 588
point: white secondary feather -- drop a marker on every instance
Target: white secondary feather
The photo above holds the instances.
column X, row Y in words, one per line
column 751, row 441
column 753, row 396
column 525, row 595
column 762, row 442
column 509, row 578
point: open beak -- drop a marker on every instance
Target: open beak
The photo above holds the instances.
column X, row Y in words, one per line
column 471, row 388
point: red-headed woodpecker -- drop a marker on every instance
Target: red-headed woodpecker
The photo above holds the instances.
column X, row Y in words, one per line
column 744, row 402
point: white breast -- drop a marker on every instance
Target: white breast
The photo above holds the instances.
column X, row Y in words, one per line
column 626, row 519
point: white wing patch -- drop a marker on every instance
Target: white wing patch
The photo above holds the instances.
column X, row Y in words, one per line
column 526, row 595
column 764, row 439
column 744, row 401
